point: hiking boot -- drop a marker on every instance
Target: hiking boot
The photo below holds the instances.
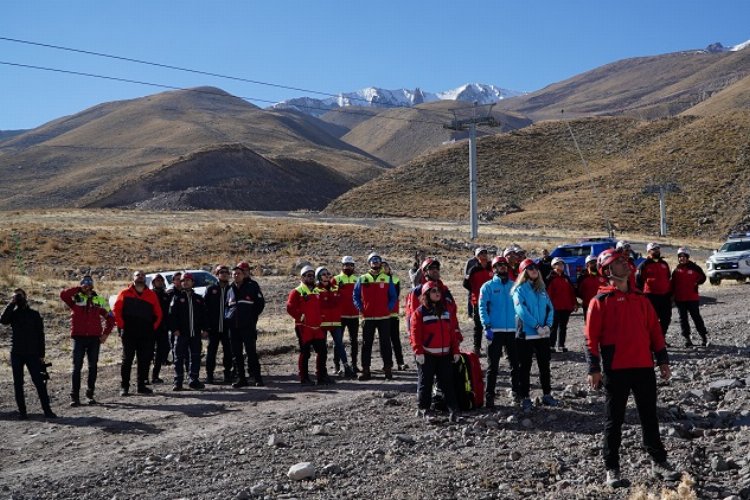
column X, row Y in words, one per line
column 454, row 417
column 144, row 390
column 489, row 402
column 613, row 479
column 157, row 380
column 240, row 383
column 664, row 471
column 365, row 374
column 306, row 381
column 355, row 368
column 74, row 401
column 259, row 382
column 349, row 372
column 704, row 340
column 50, row 414
column 177, row 388
column 689, row 343
column 210, row 378
column 90, row 397
column 426, row 414
column 548, row 400
column 22, row 415
column 526, row 405
column 388, row 371
column 196, row 384
column 337, row 369
column 325, row 380
column 403, row 367
column 562, row 348
column 124, row 391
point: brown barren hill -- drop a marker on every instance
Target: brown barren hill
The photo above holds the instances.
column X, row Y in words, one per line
column 64, row 162
column 534, row 177
column 736, row 96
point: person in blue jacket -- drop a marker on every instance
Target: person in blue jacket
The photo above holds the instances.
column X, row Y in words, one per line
column 534, row 315
column 498, row 319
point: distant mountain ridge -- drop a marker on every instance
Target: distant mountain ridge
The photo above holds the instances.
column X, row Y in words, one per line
column 374, row 97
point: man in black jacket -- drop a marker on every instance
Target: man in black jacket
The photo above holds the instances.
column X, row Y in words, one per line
column 161, row 340
column 187, row 319
column 27, row 349
column 245, row 303
column 218, row 327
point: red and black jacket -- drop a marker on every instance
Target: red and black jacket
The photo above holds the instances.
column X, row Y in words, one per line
column 653, row 277
column 622, row 331
column 588, row 285
column 433, row 333
column 137, row 311
column 561, row 292
column 685, row 281
column 187, row 313
column 475, row 278
column 89, row 315
column 303, row 304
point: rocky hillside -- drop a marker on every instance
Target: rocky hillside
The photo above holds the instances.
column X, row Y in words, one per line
column 534, row 177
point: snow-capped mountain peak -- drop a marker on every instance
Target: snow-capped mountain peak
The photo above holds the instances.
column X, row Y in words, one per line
column 718, row 47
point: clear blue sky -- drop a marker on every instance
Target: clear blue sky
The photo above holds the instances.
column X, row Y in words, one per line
column 334, row 45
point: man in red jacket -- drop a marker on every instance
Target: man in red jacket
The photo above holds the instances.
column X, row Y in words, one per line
column 91, row 322
column 479, row 274
column 622, row 337
column 563, row 297
column 138, row 315
column 686, row 278
column 655, row 279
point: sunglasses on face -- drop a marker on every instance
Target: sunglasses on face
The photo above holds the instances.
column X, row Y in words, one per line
column 376, row 261
column 308, row 275
column 532, row 268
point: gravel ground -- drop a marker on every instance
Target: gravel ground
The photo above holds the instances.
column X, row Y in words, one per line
column 362, row 439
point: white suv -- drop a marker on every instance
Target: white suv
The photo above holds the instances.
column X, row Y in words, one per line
column 731, row 261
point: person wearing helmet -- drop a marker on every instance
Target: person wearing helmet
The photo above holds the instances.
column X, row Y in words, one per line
column 431, row 271
column 534, row 317
column 416, row 277
column 162, row 344
column 628, row 252
column 588, row 283
column 330, row 312
column 346, row 280
column 623, row 336
column 375, row 295
column 435, row 347
column 91, row 322
column 187, row 318
column 655, row 279
column 498, row 319
column 303, row 304
column 218, row 327
column 511, row 254
column 477, row 276
column 562, row 293
column 395, row 327
column 686, row 278
column 245, row 303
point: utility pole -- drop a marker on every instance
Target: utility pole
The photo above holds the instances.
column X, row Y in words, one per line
column 662, row 190
column 470, row 124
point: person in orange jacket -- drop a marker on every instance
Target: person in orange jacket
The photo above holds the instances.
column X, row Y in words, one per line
column 138, row 315
column 303, row 304
column 563, row 296
column 686, row 278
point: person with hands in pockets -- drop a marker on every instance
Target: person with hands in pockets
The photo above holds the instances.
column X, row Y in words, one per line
column 436, row 345
column 534, row 317
column 498, row 322
column 623, row 335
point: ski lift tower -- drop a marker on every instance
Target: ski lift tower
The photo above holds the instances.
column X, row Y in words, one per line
column 468, row 119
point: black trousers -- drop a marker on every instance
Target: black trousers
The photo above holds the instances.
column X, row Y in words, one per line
column 214, row 339
column 187, row 351
column 691, row 307
column 502, row 340
column 384, row 339
column 321, row 353
column 161, row 350
column 245, row 338
column 398, row 352
column 442, row 367
column 478, row 330
column 618, row 384
column 526, row 349
column 559, row 330
column 663, row 306
column 352, row 325
column 34, row 365
column 84, row 347
column 136, row 343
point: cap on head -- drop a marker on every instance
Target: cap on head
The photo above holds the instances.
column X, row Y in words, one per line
column 347, row 259
column 526, row 263
column 243, row 265
column 479, row 250
column 622, row 244
column 306, row 269
column 429, row 286
column 374, row 257
column 188, row 276
column 558, row 260
column 499, row 260
column 320, row 271
column 652, row 246
column 683, row 251
column 87, row 281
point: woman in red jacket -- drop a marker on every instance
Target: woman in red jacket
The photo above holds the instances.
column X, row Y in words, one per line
column 563, row 297
column 588, row 283
column 435, row 345
column 685, row 280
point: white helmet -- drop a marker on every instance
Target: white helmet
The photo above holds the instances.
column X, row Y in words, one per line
column 373, row 255
column 558, row 260
column 509, row 250
column 652, row 246
column 621, row 244
column 683, row 251
column 320, row 270
column 306, row 269
column 590, row 258
column 347, row 259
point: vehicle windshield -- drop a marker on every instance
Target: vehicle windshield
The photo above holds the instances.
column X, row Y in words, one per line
column 577, row 251
column 735, row 246
column 204, row 279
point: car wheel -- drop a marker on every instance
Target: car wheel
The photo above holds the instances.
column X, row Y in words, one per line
column 741, row 280
column 715, row 281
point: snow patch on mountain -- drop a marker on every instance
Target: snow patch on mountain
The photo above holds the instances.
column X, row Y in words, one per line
column 718, row 47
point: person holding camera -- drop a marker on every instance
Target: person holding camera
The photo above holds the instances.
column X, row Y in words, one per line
column 27, row 349
column 87, row 312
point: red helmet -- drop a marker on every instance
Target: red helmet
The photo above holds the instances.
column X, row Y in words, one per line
column 607, row 257
column 499, row 260
column 187, row 276
column 429, row 286
column 428, row 263
column 243, row 265
column 524, row 264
